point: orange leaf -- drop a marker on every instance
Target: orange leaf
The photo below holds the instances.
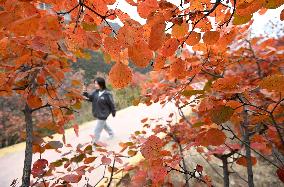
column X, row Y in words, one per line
column 89, row 160
column 145, row 8
column 179, row 31
column 170, row 47
column 273, row 83
column 243, row 161
column 34, row 101
column 112, row 46
column 120, row 75
column 213, row 137
column 159, row 62
column 140, row 54
column 247, row 8
column 178, row 69
column 7, row 18
column 157, row 35
column 193, row 38
column 211, row 37
column 228, row 85
column 25, row 26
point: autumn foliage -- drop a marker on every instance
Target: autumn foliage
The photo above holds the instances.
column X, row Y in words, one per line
column 202, row 57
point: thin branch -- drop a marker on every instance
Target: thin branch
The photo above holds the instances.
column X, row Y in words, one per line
column 101, row 16
column 235, row 136
column 111, row 175
column 101, row 177
column 235, row 172
column 68, row 12
column 212, row 74
column 211, row 166
column 234, row 10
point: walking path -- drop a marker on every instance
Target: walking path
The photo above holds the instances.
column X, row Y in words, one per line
column 126, row 122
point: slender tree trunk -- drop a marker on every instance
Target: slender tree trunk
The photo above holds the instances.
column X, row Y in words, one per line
column 186, row 178
column 29, row 145
column 247, row 147
column 226, row 178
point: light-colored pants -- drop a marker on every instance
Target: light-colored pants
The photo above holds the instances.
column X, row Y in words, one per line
column 101, row 124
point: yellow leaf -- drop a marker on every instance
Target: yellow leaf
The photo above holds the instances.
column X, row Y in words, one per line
column 89, row 27
column 77, row 105
column 76, row 83
column 132, row 153
column 239, row 20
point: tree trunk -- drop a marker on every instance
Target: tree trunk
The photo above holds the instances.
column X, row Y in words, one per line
column 186, row 177
column 245, row 132
column 29, row 145
column 226, row 178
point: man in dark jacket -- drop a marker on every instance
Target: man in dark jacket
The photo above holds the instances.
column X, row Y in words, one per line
column 102, row 107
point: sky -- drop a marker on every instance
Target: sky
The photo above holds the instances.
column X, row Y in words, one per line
column 258, row 27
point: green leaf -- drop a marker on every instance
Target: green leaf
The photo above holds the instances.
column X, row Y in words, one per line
column 88, row 149
column 189, row 93
column 54, row 145
column 198, row 124
column 57, row 163
column 221, row 114
column 208, row 85
column 78, row 158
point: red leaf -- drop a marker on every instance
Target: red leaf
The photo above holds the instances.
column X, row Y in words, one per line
column 280, row 173
column 38, row 167
column 144, row 120
column 76, row 129
column 139, row 178
column 119, row 160
column 72, row 178
column 152, row 147
column 242, row 161
column 105, row 160
column 199, row 168
column 158, row 174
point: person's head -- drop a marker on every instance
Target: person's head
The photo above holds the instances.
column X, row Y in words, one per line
column 100, row 83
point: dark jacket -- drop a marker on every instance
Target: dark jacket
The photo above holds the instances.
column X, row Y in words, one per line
column 102, row 105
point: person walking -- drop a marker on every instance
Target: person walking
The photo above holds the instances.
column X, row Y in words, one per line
column 102, row 106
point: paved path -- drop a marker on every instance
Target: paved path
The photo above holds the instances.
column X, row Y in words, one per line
column 126, row 122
